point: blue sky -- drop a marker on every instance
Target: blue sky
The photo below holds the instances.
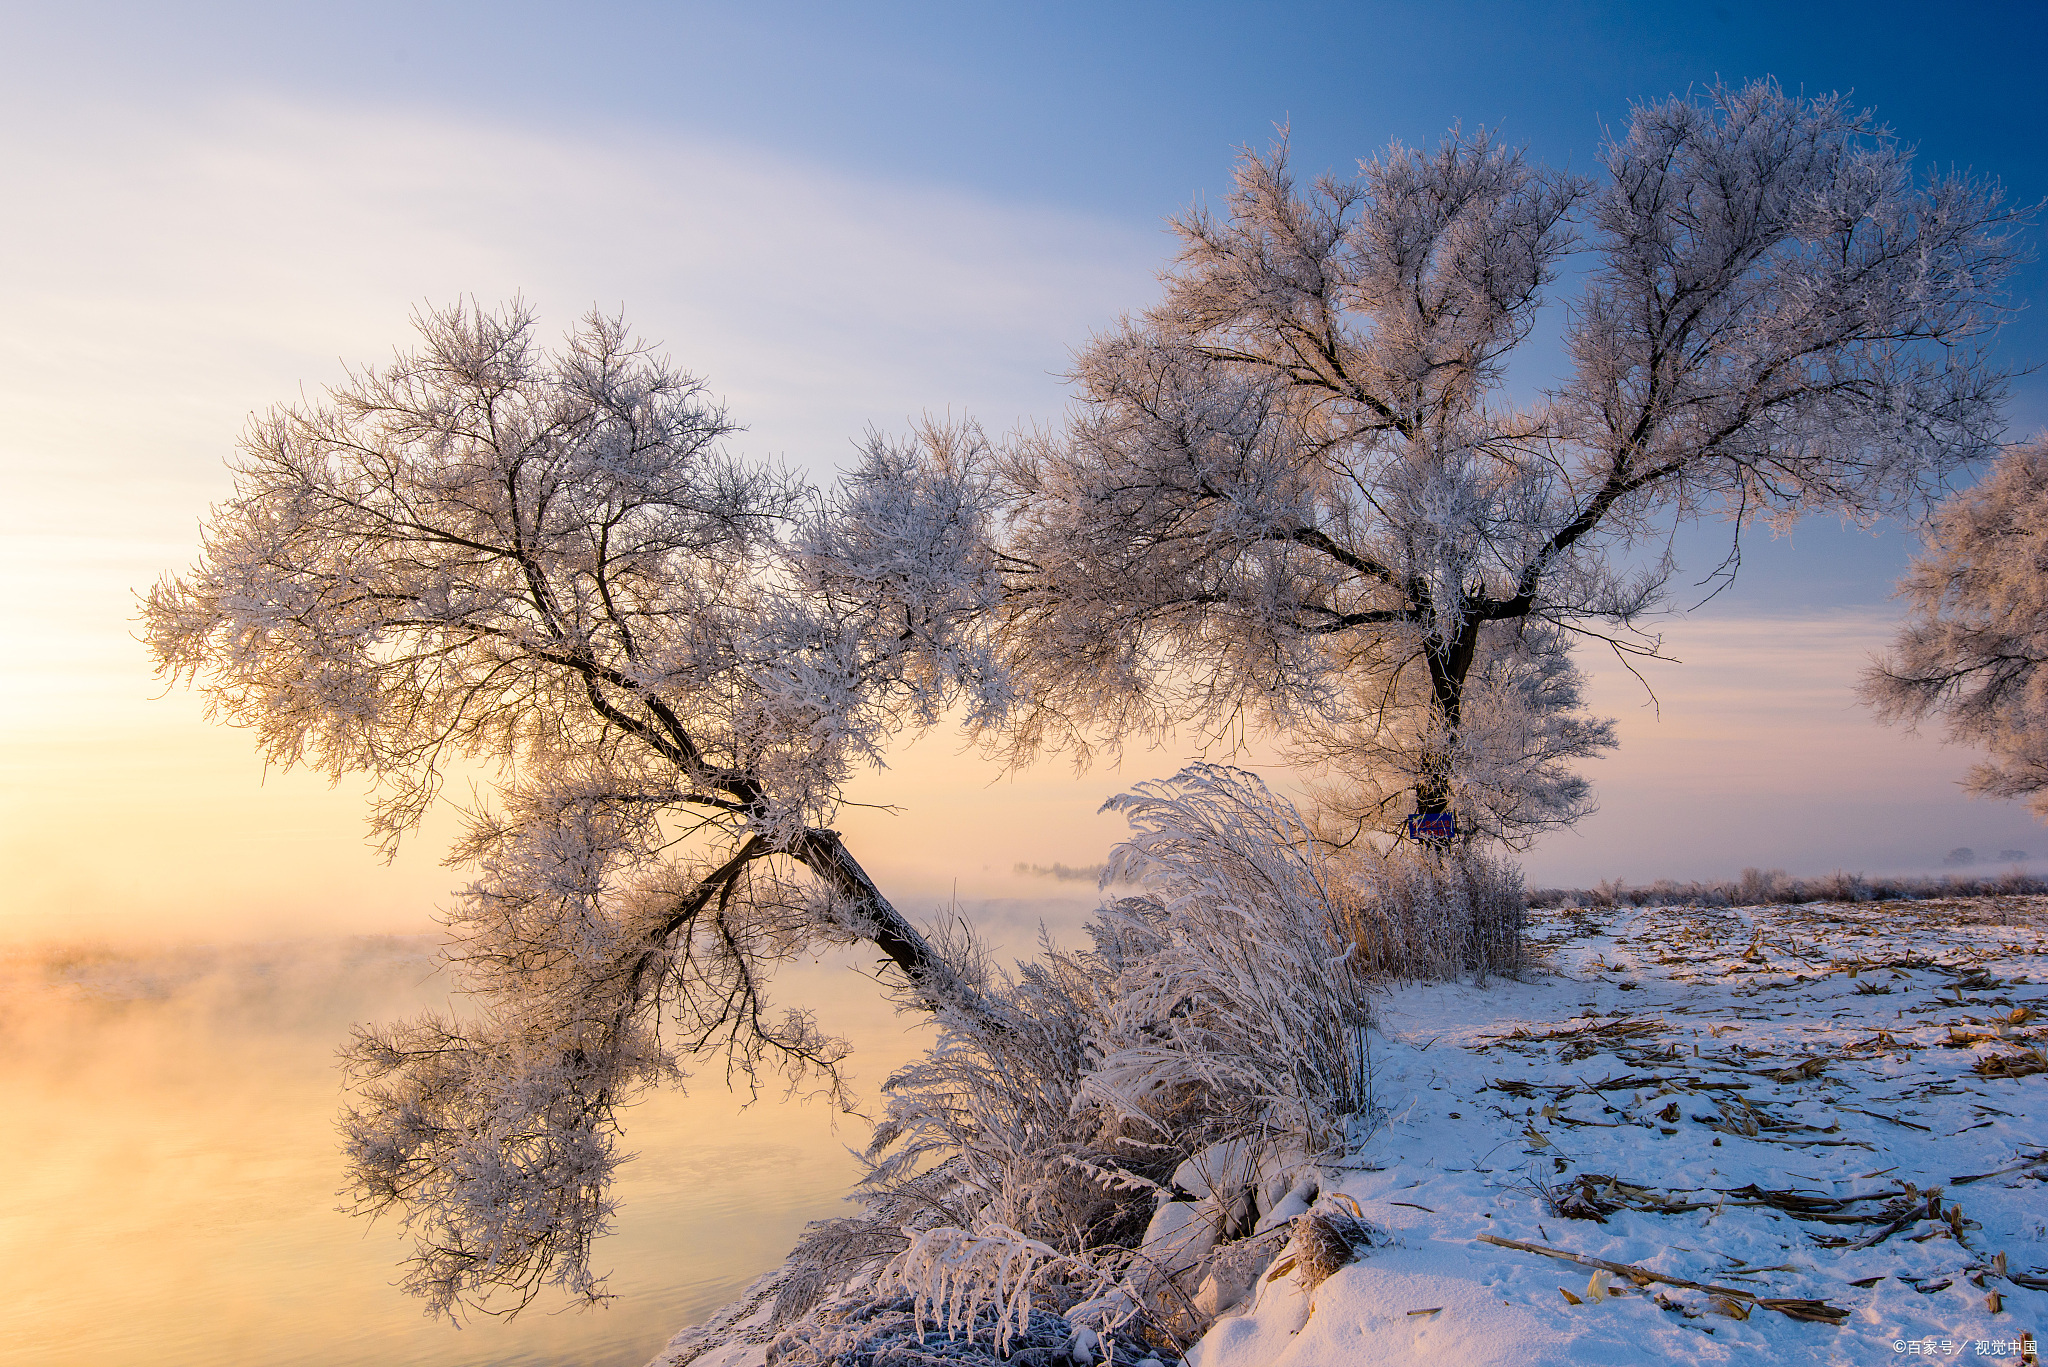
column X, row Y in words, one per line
column 843, row 216
column 1123, row 109
column 1114, row 115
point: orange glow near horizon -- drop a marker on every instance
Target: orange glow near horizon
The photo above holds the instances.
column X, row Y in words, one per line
column 128, row 815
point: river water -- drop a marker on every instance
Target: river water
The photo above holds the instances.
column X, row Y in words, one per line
column 171, row 1168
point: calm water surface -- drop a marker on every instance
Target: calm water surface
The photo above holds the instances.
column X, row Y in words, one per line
column 172, row 1167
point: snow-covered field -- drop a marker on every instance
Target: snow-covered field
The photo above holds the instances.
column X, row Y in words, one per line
column 1796, row 1103
column 1795, row 1134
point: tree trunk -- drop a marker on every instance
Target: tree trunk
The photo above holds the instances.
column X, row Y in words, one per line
column 1448, row 666
column 930, row 976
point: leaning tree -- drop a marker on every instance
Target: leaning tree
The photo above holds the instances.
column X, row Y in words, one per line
column 1974, row 648
column 1299, row 489
column 666, row 663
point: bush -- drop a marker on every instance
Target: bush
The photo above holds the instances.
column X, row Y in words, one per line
column 1417, row 911
column 1764, row 887
column 1760, row 886
column 1237, row 977
column 1218, row 1015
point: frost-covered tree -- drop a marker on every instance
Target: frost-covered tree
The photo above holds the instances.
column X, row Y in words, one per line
column 665, row 662
column 1974, row 649
column 1298, row 491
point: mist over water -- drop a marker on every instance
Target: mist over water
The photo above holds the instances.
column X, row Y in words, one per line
column 173, row 1167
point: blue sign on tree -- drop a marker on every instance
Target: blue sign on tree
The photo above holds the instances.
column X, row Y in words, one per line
column 1432, row 826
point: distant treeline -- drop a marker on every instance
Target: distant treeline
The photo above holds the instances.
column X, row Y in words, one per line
column 1760, row 887
column 1090, row 873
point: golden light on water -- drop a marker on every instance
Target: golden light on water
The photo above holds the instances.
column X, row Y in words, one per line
column 173, row 1167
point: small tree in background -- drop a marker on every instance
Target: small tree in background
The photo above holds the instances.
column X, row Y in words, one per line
column 1296, row 491
column 1974, row 648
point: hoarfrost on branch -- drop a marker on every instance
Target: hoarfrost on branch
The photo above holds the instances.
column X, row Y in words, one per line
column 1296, row 490
column 1974, row 649
column 669, row 661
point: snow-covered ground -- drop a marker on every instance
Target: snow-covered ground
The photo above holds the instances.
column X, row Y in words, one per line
column 1774, row 1100
column 1826, row 1107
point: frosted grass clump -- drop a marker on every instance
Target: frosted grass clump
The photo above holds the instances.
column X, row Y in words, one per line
column 1418, row 911
column 1213, row 1034
column 1234, row 976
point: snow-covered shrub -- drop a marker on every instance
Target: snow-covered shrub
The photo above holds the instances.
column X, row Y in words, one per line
column 888, row 1331
column 986, row 1281
column 1765, row 887
column 1206, row 1045
column 833, row 1255
column 987, row 1141
column 1759, row 886
column 995, row 1116
column 1417, row 911
column 952, row 1274
column 987, row 1294
column 1842, row 886
column 1235, row 980
column 1224, row 1003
